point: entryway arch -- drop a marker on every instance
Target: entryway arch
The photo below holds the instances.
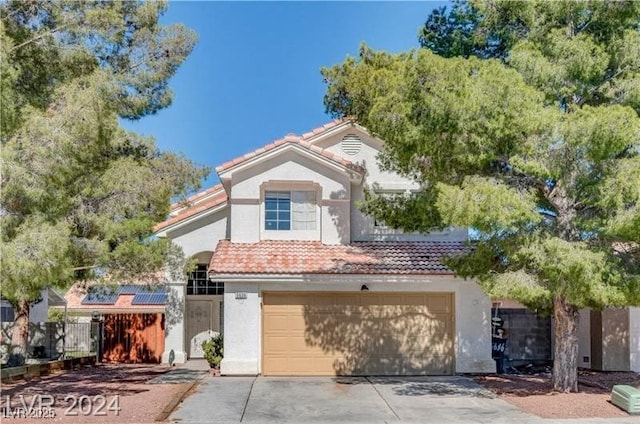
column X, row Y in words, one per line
column 203, row 306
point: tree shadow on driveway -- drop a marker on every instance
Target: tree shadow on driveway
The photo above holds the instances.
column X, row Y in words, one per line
column 424, row 386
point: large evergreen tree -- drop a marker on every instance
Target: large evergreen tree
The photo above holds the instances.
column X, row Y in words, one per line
column 80, row 195
column 525, row 128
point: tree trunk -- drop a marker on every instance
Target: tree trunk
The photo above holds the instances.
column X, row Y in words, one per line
column 565, row 361
column 20, row 334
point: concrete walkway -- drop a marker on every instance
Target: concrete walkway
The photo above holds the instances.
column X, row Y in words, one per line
column 353, row 400
column 193, row 370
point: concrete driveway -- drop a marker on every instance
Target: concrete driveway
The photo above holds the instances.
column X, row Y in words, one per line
column 348, row 399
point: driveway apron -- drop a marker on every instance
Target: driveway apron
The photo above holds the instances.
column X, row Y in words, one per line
column 345, row 399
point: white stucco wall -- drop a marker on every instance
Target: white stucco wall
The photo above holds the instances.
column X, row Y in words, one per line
column 584, row 338
column 615, row 339
column 290, row 171
column 243, row 317
column 174, row 331
column 241, row 330
column 634, row 338
column 195, row 237
column 202, row 234
column 39, row 312
column 366, row 157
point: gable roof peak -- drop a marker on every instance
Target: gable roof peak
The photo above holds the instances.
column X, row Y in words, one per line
column 294, row 140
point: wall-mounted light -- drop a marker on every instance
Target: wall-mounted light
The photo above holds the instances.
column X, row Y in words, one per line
column 364, row 288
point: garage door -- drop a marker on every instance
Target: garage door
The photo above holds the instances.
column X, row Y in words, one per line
column 358, row 334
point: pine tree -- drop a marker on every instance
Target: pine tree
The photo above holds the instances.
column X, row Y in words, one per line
column 535, row 146
column 80, row 195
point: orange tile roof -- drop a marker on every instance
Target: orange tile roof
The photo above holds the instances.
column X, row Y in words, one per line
column 300, row 141
column 197, row 203
column 196, row 197
column 313, row 257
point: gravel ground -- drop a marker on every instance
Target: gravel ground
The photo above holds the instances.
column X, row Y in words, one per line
column 533, row 394
column 140, row 402
column 103, row 388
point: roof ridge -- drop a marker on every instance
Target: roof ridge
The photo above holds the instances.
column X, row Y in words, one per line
column 299, row 140
column 203, row 193
column 329, row 125
column 192, row 210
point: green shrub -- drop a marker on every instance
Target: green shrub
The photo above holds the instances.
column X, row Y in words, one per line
column 213, row 350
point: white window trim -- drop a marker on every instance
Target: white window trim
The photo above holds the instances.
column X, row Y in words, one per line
column 291, row 234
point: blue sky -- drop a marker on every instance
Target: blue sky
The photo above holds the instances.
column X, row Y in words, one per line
column 254, row 75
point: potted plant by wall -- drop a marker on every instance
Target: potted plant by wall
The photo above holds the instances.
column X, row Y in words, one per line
column 213, row 353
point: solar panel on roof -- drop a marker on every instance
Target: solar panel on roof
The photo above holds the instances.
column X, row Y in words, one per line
column 149, row 299
column 139, row 288
column 108, row 295
column 103, row 295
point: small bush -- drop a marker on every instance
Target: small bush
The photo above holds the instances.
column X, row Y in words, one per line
column 213, row 350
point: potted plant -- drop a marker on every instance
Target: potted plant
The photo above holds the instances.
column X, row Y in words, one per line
column 213, row 353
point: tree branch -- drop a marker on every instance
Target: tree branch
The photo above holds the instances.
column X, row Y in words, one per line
column 82, row 268
column 36, row 38
column 547, row 213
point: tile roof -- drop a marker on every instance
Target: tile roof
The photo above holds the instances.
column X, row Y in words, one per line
column 313, row 257
column 195, row 204
column 196, row 197
column 300, row 141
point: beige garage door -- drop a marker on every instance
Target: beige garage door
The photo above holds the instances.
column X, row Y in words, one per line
column 358, row 334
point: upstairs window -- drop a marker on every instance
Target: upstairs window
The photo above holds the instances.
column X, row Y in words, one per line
column 290, row 210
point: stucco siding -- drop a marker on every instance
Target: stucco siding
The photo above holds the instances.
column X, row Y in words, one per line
column 290, row 171
column 634, row 338
column 39, row 312
column 242, row 315
column 615, row 339
column 195, row 238
column 610, row 339
column 249, row 216
column 366, row 157
column 202, row 234
column 584, row 339
column 241, row 329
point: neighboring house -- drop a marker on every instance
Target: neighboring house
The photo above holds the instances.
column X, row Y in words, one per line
column 609, row 340
column 39, row 310
column 91, row 301
column 132, row 317
column 7, row 313
column 303, row 283
column 44, row 340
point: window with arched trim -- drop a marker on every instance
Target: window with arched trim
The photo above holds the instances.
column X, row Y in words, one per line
column 199, row 284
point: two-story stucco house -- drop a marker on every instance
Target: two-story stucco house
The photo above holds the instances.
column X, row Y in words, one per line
column 303, row 283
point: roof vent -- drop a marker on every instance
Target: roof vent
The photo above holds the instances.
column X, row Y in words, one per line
column 351, row 144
